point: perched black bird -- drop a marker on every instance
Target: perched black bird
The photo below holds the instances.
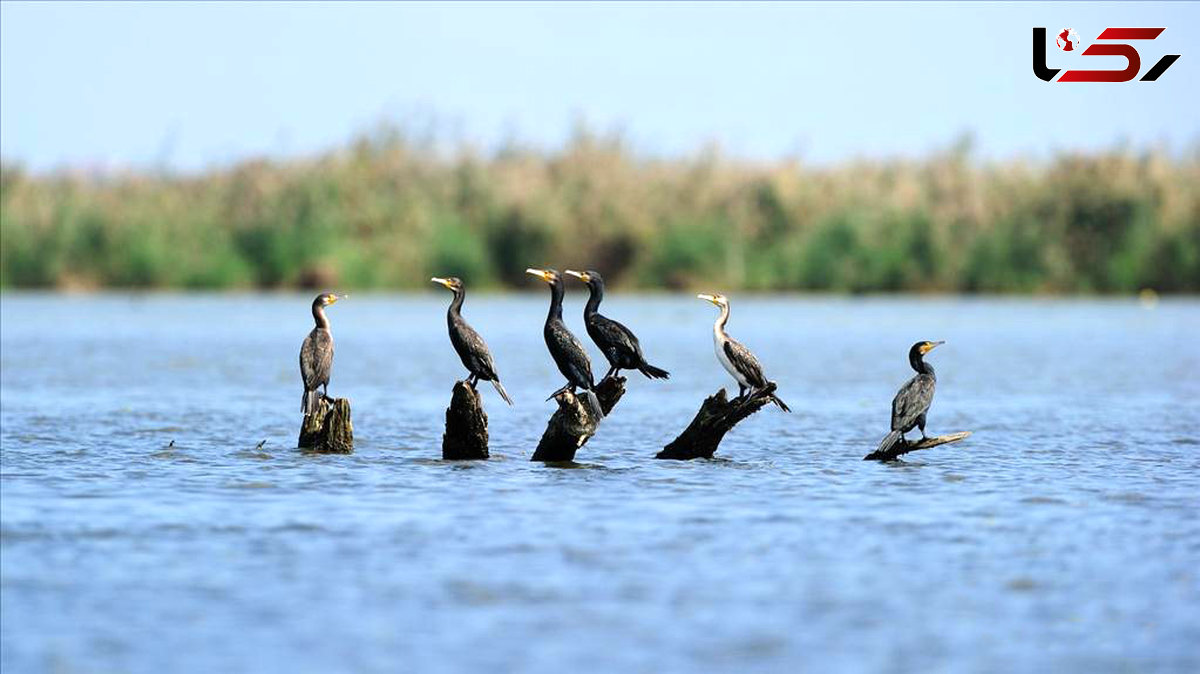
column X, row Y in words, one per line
column 619, row 345
column 737, row 359
column 316, row 356
column 471, row 348
column 911, row 404
column 568, row 353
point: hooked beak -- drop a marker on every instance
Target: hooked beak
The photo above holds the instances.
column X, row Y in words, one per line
column 710, row 298
column 540, row 273
column 934, row 345
column 441, row 281
column 334, row 298
column 582, row 276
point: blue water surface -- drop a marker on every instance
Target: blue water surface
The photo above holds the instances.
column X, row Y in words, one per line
column 1063, row 535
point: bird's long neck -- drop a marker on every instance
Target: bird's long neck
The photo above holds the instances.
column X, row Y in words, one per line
column 719, row 325
column 594, row 299
column 456, row 303
column 556, row 300
column 319, row 317
column 917, row 361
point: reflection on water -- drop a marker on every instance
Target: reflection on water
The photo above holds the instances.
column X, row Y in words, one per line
column 1062, row 535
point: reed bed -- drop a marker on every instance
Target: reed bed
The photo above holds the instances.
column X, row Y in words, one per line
column 388, row 212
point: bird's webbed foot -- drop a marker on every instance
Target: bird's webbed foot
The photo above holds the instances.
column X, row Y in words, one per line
column 560, row 391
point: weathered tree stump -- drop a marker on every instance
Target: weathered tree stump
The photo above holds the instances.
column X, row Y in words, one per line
column 466, row 435
column 329, row 429
column 904, row 447
column 716, row 417
column 573, row 422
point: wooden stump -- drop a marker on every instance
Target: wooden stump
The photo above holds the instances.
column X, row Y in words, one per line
column 466, row 435
column 904, row 447
column 329, row 429
column 716, row 417
column 573, row 423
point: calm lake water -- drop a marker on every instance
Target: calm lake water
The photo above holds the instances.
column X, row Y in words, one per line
column 1063, row 535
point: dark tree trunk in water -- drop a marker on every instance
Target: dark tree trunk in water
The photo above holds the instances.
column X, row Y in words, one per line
column 329, row 430
column 716, row 417
column 573, row 422
column 903, row 447
column 466, row 434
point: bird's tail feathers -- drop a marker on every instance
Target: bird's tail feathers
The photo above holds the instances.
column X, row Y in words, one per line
column 653, row 372
column 501, row 391
column 779, row 401
column 888, row 441
column 310, row 402
column 594, row 403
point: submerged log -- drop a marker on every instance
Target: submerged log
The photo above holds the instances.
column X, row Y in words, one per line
column 573, row 422
column 466, row 435
column 716, row 417
column 904, row 447
column 329, row 429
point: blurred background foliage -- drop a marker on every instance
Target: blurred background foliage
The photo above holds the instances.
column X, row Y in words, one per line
column 387, row 211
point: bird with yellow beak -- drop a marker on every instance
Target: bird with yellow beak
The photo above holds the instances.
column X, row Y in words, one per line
column 471, row 349
column 566, row 350
column 914, row 399
column 617, row 342
column 316, row 355
column 737, row 360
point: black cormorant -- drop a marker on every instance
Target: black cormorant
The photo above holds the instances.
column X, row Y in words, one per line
column 316, row 356
column 568, row 353
column 736, row 358
column 618, row 344
column 912, row 402
column 470, row 346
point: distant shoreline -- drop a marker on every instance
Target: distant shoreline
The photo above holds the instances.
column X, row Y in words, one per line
column 619, row 295
column 384, row 213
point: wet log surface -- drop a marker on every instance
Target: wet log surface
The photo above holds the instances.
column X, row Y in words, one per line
column 904, row 447
column 329, row 429
column 716, row 417
column 466, row 435
column 573, row 423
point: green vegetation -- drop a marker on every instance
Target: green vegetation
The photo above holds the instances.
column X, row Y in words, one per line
column 388, row 213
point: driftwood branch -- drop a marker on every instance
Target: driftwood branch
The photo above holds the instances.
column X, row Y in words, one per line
column 904, row 447
column 466, row 434
column 329, row 428
column 716, row 417
column 573, row 422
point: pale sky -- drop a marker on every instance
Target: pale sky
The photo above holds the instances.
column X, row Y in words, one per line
column 192, row 86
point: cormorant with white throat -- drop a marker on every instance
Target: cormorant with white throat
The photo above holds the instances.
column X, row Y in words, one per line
column 316, row 356
column 737, row 359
